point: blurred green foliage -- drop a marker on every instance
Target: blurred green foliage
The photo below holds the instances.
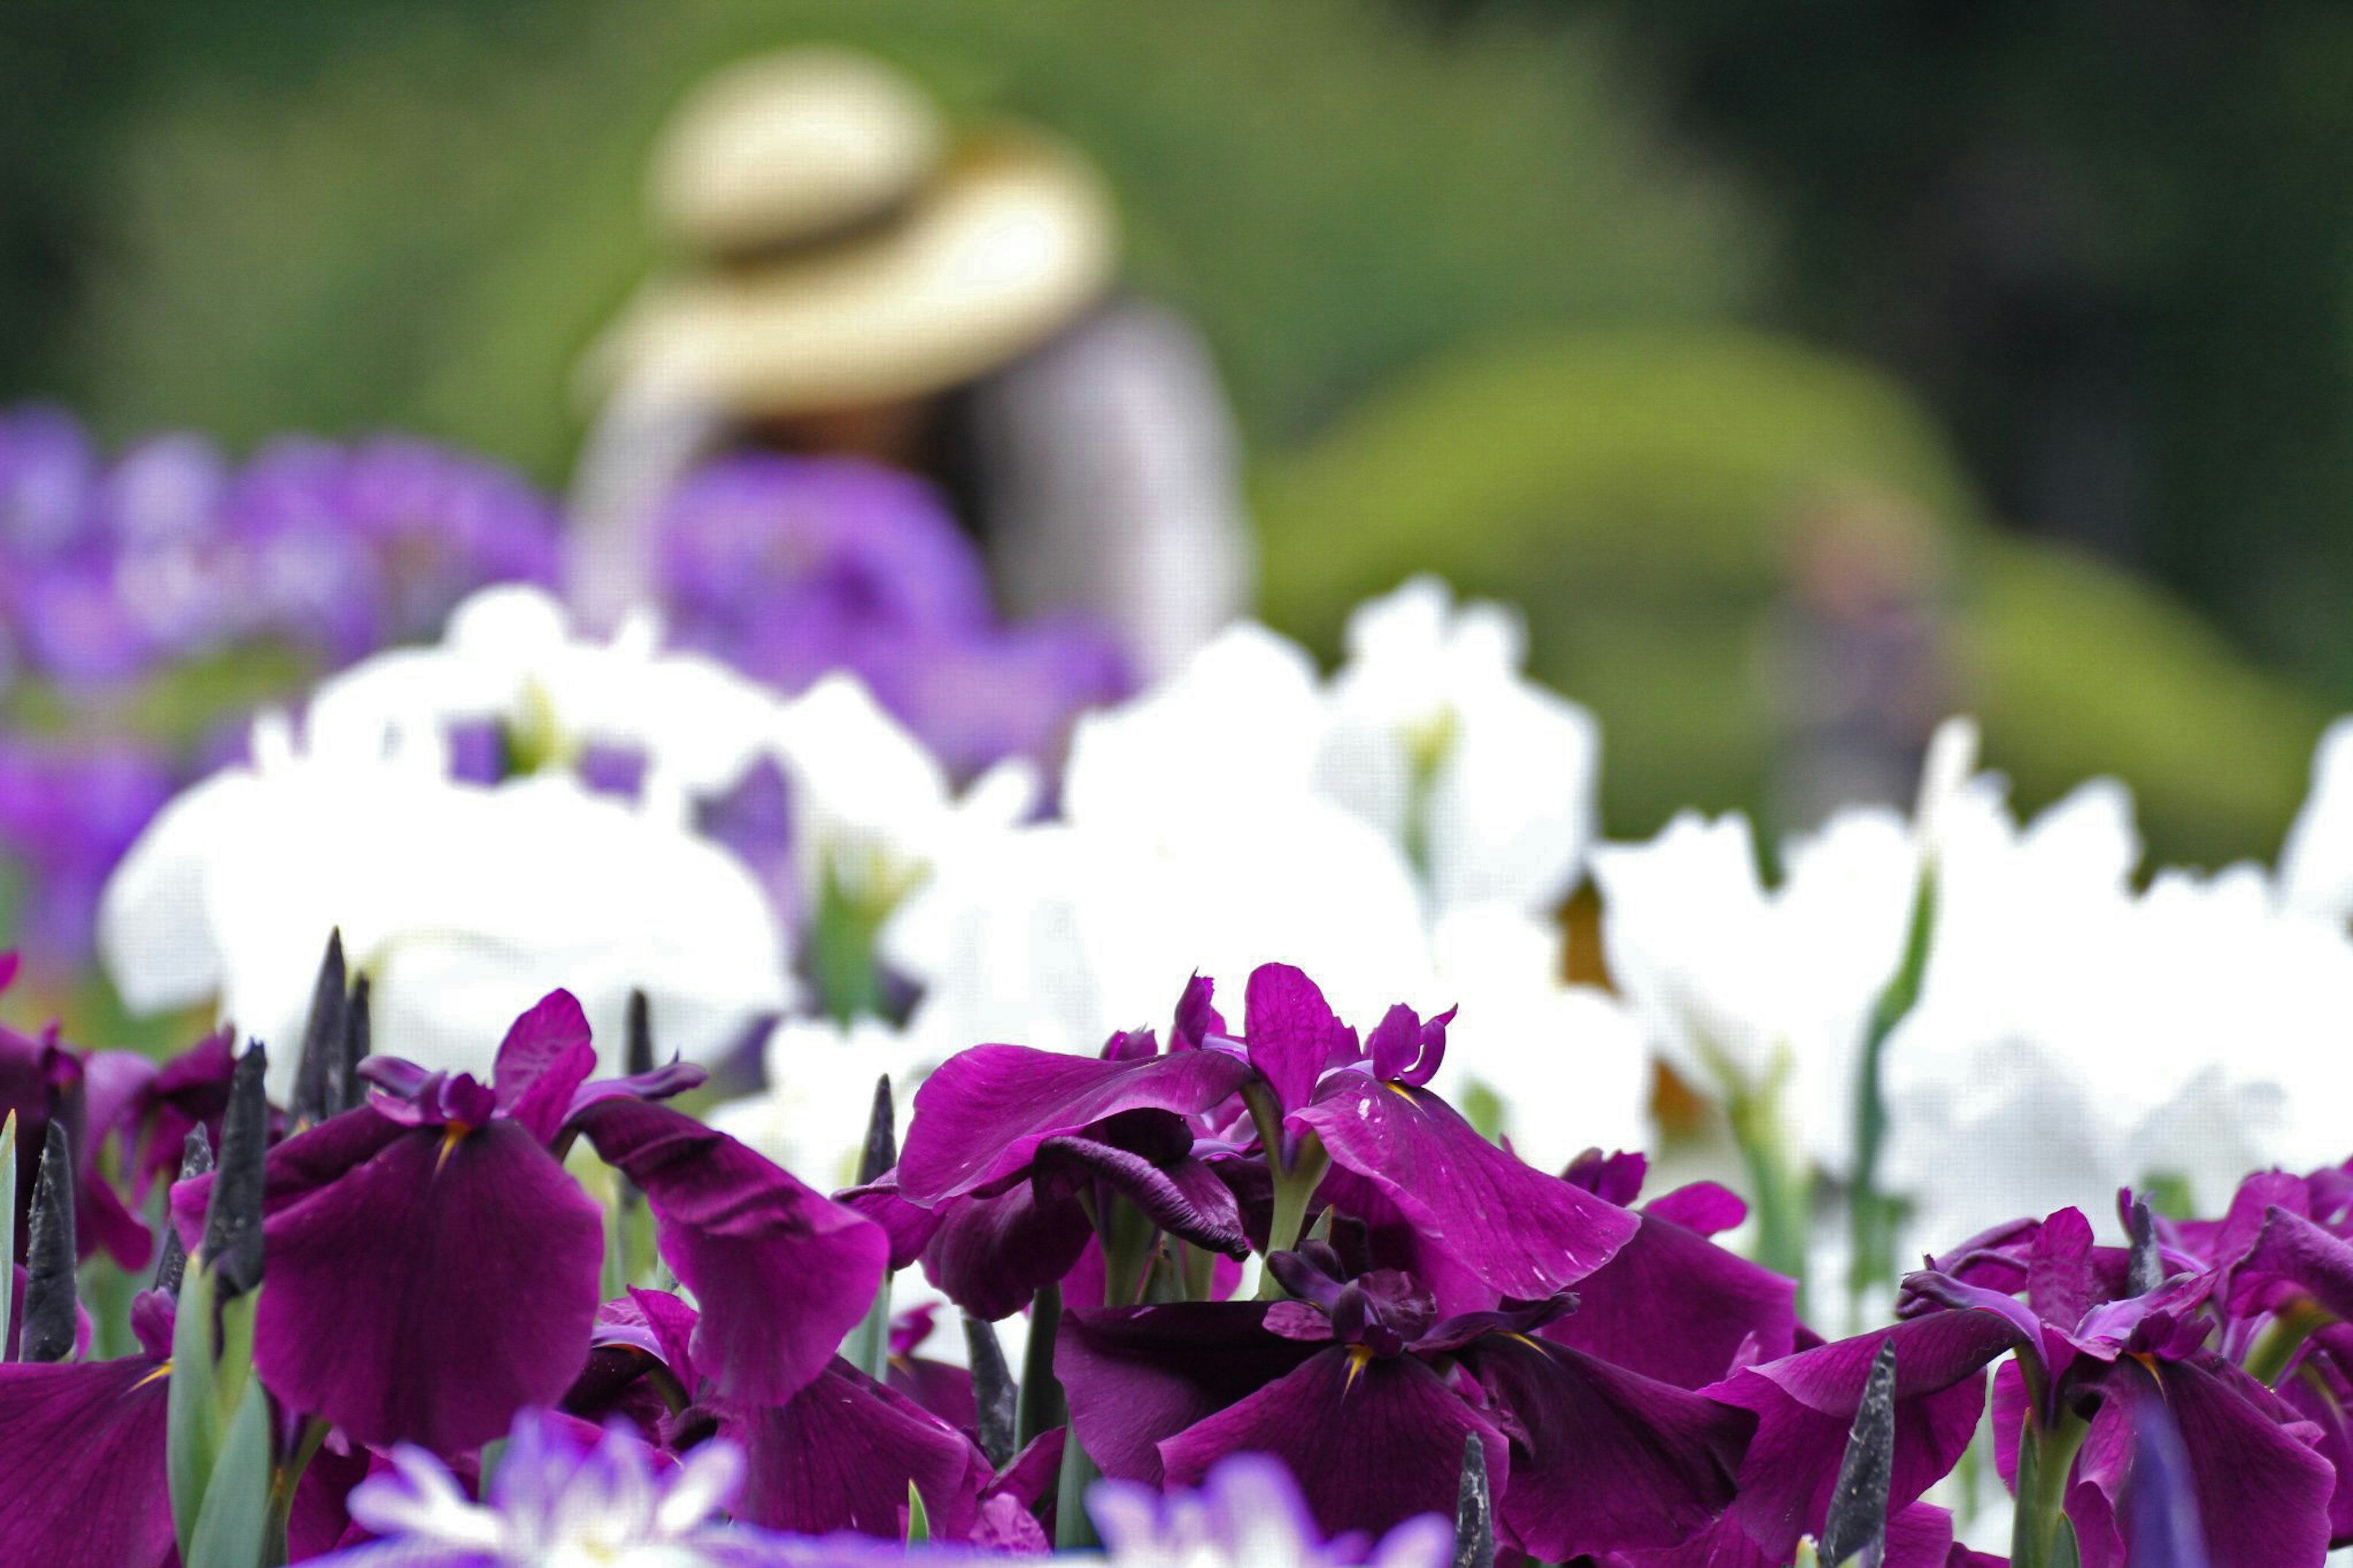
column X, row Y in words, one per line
column 1633, row 492
column 1470, row 297
column 427, row 232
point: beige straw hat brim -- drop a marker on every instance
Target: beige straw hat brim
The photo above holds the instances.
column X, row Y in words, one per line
column 1012, row 240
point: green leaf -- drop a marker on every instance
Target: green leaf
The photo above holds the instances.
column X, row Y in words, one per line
column 7, row 1212
column 919, row 1520
column 192, row 1425
column 236, row 1512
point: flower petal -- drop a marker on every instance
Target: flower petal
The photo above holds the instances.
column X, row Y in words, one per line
column 81, row 1463
column 781, row 1271
column 990, row 1256
column 432, row 1291
column 1371, row 1445
column 1293, row 1032
column 547, row 1054
column 1674, row 1306
column 981, row 1116
column 1611, row 1460
column 1524, row 1233
column 1806, row 1403
column 841, row 1454
column 1135, row 1375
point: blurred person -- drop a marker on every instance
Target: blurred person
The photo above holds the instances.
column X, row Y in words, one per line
column 854, row 280
column 1860, row 662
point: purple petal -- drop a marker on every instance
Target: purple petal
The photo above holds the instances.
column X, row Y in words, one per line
column 991, row 1255
column 1184, row 1198
column 1611, row 1459
column 1371, row 1443
column 781, row 1271
column 980, row 1118
column 1198, row 1017
column 1805, row 1403
column 432, row 1291
column 1702, row 1206
column 1674, row 1306
column 910, row 1228
column 1294, row 1033
column 841, row 1454
column 81, row 1463
column 547, row 1054
column 1525, row 1233
column 1136, row 1375
column 2291, row 1249
column 2263, row 1491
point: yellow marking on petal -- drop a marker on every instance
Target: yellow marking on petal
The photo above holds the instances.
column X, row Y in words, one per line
column 1524, row 1340
column 451, row 1136
column 1399, row 1091
column 1357, row 1356
column 161, row 1371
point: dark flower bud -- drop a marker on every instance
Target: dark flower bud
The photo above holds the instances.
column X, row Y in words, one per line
column 639, row 1058
column 345, row 1091
column 195, row 1159
column 2145, row 1272
column 1856, row 1532
column 1474, row 1509
column 322, row 1035
column 49, row 1254
column 991, row 1391
column 881, row 1137
column 233, row 1222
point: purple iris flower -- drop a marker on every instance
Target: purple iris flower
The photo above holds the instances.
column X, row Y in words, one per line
column 789, row 567
column 350, row 549
column 1350, row 1124
column 2093, row 1346
column 1368, row 1394
column 433, row 1269
column 82, row 1453
column 68, row 810
column 1249, row 1511
column 43, row 1078
column 839, row 1454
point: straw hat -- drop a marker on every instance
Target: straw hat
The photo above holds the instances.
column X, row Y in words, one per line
column 844, row 251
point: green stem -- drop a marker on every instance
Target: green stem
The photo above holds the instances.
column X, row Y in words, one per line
column 2039, row 1535
column 1073, row 1531
column 2276, row 1346
column 1784, row 1193
column 282, row 1487
column 1041, row 1407
column 869, row 1346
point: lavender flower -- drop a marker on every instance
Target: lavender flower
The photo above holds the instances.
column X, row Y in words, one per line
column 1248, row 1510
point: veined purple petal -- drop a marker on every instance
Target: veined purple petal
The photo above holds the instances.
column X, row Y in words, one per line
column 546, row 1055
column 1611, row 1459
column 990, row 1256
column 81, row 1463
column 1198, row 1017
column 1372, row 1443
column 1805, row 1403
column 433, row 1289
column 1184, row 1198
column 1673, row 1305
column 1293, row 1032
column 1524, row 1233
column 781, row 1271
column 841, row 1455
column 1136, row 1375
column 982, row 1115
column 910, row 1228
column 2291, row 1251
column 2258, row 1484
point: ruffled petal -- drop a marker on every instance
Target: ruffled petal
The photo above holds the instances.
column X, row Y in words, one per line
column 981, row 1116
column 1523, row 1233
column 1135, row 1375
column 1609, row 1459
column 841, row 1454
column 991, row 1255
column 547, row 1054
column 1184, row 1198
column 1371, row 1443
column 781, row 1271
column 433, row 1289
column 1673, row 1305
column 1293, row 1032
column 1805, row 1405
column 81, row 1463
